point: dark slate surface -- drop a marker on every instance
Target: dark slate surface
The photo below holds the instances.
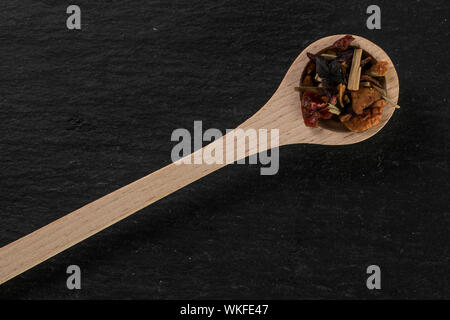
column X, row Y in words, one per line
column 85, row 112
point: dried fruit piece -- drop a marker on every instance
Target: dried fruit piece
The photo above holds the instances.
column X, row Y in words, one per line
column 379, row 104
column 343, row 43
column 310, row 68
column 379, row 69
column 307, row 82
column 314, row 108
column 363, row 98
column 325, row 114
column 368, row 119
column 310, row 102
column 365, row 61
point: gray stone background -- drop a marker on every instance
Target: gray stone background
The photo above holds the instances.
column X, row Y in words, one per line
column 85, row 112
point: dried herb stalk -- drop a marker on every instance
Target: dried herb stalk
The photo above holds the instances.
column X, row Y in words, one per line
column 355, row 70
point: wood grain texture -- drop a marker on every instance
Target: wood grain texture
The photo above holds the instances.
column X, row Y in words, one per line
column 282, row 112
column 140, row 69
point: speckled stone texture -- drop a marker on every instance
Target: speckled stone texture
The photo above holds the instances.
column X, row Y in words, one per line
column 85, row 112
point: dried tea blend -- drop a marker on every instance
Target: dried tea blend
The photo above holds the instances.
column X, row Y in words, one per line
column 345, row 84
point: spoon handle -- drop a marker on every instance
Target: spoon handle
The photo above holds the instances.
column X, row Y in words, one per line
column 65, row 232
column 73, row 228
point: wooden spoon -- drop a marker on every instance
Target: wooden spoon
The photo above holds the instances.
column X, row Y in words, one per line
column 281, row 112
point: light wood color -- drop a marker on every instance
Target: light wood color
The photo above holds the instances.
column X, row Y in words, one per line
column 355, row 70
column 281, row 112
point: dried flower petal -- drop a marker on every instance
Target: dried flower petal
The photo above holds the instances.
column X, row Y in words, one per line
column 311, row 56
column 347, row 55
column 330, row 71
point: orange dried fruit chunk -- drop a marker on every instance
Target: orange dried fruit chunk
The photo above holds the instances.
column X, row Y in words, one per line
column 368, row 119
column 379, row 69
column 363, row 98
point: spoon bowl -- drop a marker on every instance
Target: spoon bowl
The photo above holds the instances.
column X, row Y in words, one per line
column 281, row 112
column 286, row 101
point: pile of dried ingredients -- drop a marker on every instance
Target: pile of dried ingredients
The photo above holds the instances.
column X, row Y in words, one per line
column 343, row 83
